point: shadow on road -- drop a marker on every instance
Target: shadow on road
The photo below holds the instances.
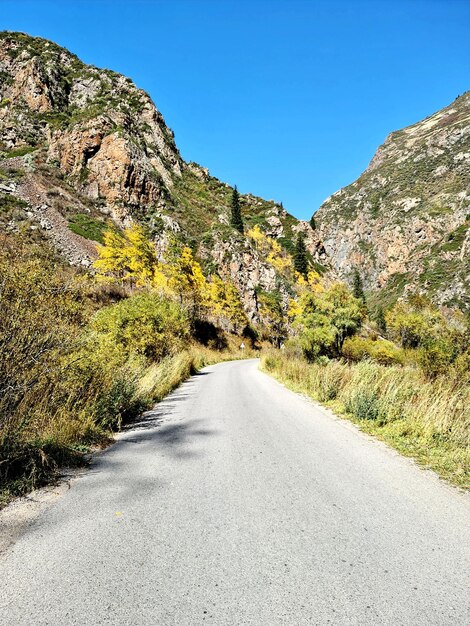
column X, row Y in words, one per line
column 125, row 473
column 162, row 426
column 136, row 468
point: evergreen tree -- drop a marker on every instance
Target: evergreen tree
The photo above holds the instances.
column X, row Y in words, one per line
column 380, row 320
column 313, row 224
column 236, row 216
column 300, row 255
column 358, row 288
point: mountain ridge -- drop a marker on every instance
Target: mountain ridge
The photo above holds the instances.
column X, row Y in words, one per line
column 89, row 146
column 405, row 221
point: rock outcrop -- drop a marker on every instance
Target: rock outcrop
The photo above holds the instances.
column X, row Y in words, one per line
column 95, row 147
column 99, row 128
column 404, row 223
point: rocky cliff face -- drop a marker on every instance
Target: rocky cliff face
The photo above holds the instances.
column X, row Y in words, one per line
column 404, row 224
column 81, row 145
column 100, row 130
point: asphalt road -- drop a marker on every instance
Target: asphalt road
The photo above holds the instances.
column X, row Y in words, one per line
column 238, row 502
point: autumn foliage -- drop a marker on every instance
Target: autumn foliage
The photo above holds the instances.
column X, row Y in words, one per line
column 131, row 257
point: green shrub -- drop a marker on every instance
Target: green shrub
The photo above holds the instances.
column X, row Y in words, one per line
column 435, row 356
column 19, row 152
column 327, row 391
column 87, row 227
column 356, row 348
column 461, row 369
column 145, row 324
column 363, row 404
column 119, row 403
column 11, row 208
column 381, row 351
column 269, row 363
column 387, row 353
column 417, row 322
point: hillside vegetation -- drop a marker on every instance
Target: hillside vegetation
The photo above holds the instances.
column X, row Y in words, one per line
column 80, row 356
column 403, row 377
column 404, row 223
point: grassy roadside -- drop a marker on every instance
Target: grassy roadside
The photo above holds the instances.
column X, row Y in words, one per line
column 39, row 460
column 428, row 421
column 80, row 357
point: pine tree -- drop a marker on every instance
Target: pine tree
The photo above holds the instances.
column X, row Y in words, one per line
column 236, row 216
column 380, row 320
column 300, row 256
column 358, row 288
column 312, row 222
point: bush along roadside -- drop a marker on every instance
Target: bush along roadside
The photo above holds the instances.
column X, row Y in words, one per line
column 80, row 357
column 81, row 352
column 427, row 419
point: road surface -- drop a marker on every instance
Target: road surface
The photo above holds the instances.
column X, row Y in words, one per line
column 237, row 502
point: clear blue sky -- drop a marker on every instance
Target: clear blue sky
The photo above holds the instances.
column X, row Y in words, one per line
column 287, row 99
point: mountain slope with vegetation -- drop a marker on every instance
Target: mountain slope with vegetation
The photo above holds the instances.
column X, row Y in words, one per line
column 82, row 146
column 405, row 221
column 124, row 268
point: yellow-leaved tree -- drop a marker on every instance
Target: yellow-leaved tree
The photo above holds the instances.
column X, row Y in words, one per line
column 225, row 303
column 279, row 259
column 128, row 256
column 304, row 286
column 270, row 307
column 257, row 236
column 186, row 279
column 131, row 257
column 273, row 251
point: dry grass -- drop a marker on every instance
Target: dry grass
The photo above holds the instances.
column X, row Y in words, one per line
column 429, row 421
column 33, row 452
column 161, row 378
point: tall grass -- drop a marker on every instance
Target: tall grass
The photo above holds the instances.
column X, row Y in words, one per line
column 33, row 450
column 77, row 361
column 428, row 420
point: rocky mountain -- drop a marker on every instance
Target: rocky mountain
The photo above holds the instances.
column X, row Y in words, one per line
column 81, row 145
column 404, row 223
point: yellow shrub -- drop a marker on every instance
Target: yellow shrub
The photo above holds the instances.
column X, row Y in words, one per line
column 381, row 351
